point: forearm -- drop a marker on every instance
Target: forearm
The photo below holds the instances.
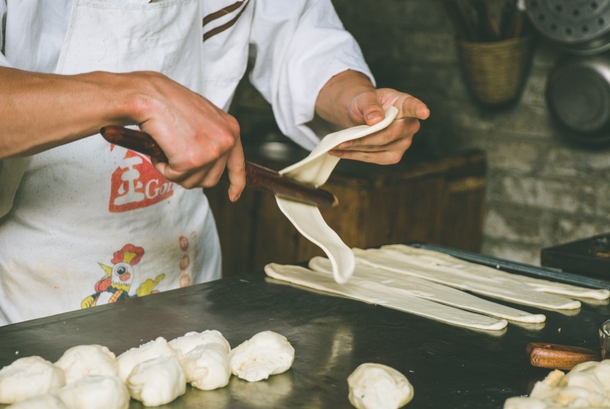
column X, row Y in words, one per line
column 42, row 111
column 335, row 100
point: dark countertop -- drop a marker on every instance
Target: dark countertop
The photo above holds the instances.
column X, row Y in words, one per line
column 449, row 367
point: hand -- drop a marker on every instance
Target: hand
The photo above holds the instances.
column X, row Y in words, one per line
column 198, row 138
column 350, row 99
column 388, row 145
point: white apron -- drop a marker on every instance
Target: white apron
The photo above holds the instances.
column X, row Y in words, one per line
column 94, row 223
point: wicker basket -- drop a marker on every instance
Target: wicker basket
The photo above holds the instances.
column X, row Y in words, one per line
column 495, row 72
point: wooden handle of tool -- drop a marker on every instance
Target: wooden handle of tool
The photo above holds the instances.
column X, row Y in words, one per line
column 555, row 356
column 257, row 177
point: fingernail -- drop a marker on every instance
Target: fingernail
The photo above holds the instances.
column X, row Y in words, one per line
column 373, row 115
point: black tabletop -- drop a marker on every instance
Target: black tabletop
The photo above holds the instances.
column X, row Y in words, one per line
column 448, row 366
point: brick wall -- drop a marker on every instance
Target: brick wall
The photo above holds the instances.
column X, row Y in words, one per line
column 542, row 189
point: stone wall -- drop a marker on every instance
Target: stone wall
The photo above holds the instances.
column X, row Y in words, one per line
column 542, row 189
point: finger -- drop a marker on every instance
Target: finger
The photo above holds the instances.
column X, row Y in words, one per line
column 369, row 107
column 236, row 168
column 390, row 154
column 413, row 107
column 400, row 128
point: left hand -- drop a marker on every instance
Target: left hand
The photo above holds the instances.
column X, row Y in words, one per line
column 388, row 145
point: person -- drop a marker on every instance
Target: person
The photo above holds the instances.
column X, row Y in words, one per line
column 88, row 223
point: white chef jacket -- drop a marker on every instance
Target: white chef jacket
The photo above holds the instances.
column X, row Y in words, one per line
column 299, row 45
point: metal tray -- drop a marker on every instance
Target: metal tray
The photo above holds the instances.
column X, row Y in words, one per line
column 449, row 367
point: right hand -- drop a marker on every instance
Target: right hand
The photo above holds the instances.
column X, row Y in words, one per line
column 198, row 138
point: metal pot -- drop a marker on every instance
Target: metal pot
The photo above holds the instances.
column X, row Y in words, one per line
column 579, row 26
column 578, row 95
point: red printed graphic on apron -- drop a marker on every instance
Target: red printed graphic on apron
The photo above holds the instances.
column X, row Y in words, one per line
column 136, row 184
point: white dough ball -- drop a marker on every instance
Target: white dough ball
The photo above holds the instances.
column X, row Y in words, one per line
column 83, row 360
column 524, row 403
column 376, row 386
column 29, row 377
column 47, row 401
column 207, row 366
column 266, row 353
column 186, row 343
column 95, row 392
column 157, row 381
column 130, row 358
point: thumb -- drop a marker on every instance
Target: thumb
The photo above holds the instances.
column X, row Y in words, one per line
column 370, row 108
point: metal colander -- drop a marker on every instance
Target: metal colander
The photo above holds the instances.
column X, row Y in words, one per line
column 579, row 26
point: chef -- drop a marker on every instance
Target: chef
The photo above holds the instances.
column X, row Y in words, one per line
column 85, row 222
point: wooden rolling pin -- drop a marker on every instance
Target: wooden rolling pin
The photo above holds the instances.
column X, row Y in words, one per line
column 555, row 356
column 257, row 177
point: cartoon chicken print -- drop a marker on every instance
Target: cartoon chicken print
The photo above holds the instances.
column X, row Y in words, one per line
column 115, row 285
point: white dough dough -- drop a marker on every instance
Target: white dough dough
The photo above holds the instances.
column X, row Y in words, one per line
column 157, row 381
column 95, row 392
column 207, row 366
column 29, row 377
column 266, row 353
column 376, row 386
column 375, row 293
column 189, row 341
column 47, row 401
column 537, row 284
column 83, row 360
column 315, row 169
column 506, row 287
column 432, row 291
column 130, row 358
column 524, row 403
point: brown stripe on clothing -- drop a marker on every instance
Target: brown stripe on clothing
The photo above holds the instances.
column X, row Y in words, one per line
column 222, row 12
column 227, row 25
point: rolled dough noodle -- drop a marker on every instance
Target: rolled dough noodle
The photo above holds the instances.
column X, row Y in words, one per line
column 507, row 288
column 431, row 291
column 441, row 259
column 315, row 169
column 375, row 293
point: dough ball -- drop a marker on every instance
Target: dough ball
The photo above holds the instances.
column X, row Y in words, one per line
column 186, row 343
column 584, row 380
column 207, row 366
column 266, row 353
column 544, row 391
column 578, row 397
column 83, row 360
column 47, row 401
column 153, row 349
column 376, row 386
column 524, row 403
column 95, row 392
column 157, row 381
column 29, row 377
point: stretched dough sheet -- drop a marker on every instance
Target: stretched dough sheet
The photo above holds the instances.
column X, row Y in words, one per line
column 435, row 257
column 431, row 291
column 375, row 293
column 315, row 170
column 504, row 288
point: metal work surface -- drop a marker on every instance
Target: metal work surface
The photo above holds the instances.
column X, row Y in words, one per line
column 449, row 367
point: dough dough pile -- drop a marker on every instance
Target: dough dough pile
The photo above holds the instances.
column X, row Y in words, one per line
column 154, row 373
column 205, row 358
column 29, row 377
column 587, row 385
column 95, row 392
column 376, row 386
column 157, row 381
column 315, row 170
column 266, row 353
column 83, row 360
